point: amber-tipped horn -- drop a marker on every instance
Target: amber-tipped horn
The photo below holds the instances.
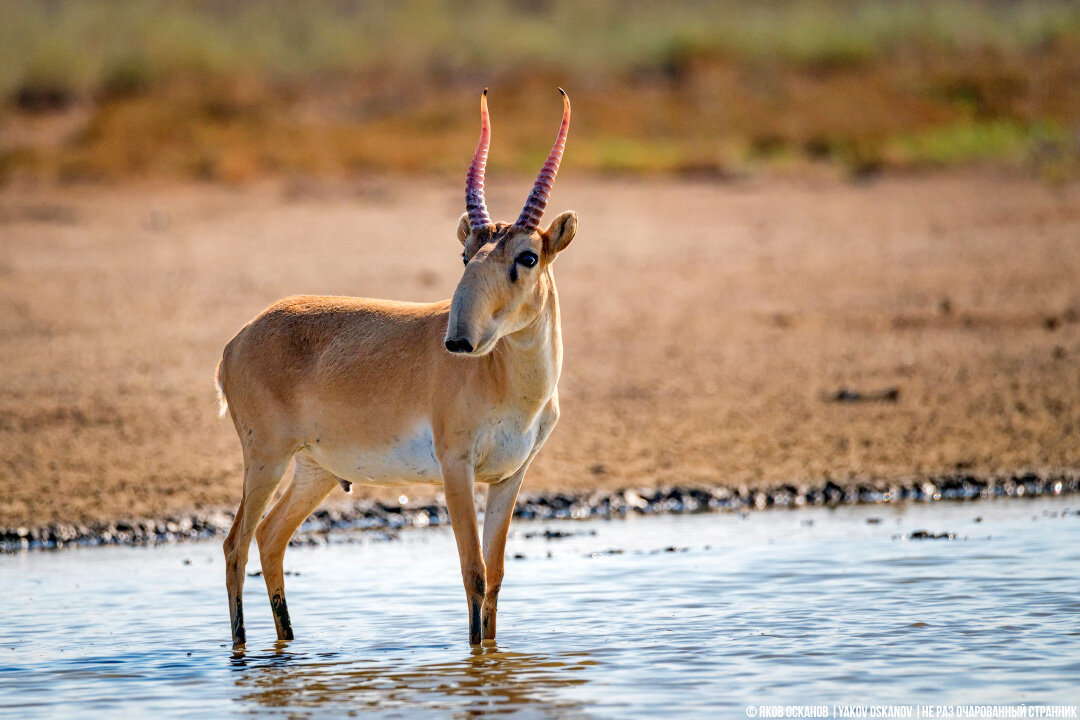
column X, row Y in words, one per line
column 538, row 198
column 474, row 181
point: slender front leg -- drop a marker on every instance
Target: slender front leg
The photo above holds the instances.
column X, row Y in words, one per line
column 458, row 486
column 500, row 510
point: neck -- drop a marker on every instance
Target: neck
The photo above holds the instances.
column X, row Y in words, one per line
column 531, row 358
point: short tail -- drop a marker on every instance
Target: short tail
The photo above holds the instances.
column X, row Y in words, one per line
column 223, row 402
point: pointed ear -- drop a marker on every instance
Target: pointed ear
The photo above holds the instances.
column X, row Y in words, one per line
column 463, row 228
column 560, row 232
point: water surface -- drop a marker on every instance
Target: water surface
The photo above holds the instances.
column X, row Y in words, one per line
column 677, row 615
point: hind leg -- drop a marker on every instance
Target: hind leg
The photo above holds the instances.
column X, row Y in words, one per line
column 309, row 487
column 261, row 478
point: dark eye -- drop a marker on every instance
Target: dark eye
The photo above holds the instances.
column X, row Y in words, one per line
column 527, row 258
column 464, row 258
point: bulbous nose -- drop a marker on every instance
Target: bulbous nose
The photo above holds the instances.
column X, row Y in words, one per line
column 458, row 345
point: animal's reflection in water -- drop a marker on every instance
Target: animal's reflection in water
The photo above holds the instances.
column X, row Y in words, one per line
column 487, row 681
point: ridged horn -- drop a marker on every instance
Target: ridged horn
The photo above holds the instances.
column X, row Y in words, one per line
column 538, row 198
column 474, row 181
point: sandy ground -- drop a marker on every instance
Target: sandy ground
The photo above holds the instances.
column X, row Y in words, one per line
column 707, row 327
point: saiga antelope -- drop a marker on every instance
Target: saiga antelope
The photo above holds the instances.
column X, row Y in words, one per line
column 385, row 393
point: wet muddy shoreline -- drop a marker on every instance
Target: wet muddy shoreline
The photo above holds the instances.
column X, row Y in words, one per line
column 381, row 516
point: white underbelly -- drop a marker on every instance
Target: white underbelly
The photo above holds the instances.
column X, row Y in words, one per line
column 409, row 459
column 500, row 450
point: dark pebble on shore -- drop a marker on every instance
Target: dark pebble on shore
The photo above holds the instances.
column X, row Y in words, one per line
column 926, row 535
column 556, row 534
column 847, row 395
column 601, row 553
column 287, row 573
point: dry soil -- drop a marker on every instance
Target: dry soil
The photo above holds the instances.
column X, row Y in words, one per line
column 708, row 327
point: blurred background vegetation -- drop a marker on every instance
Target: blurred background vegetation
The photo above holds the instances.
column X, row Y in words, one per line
column 236, row 90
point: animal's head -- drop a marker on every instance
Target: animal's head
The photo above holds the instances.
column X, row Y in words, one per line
column 507, row 276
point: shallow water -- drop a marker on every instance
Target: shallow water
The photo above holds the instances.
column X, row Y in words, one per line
column 677, row 615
